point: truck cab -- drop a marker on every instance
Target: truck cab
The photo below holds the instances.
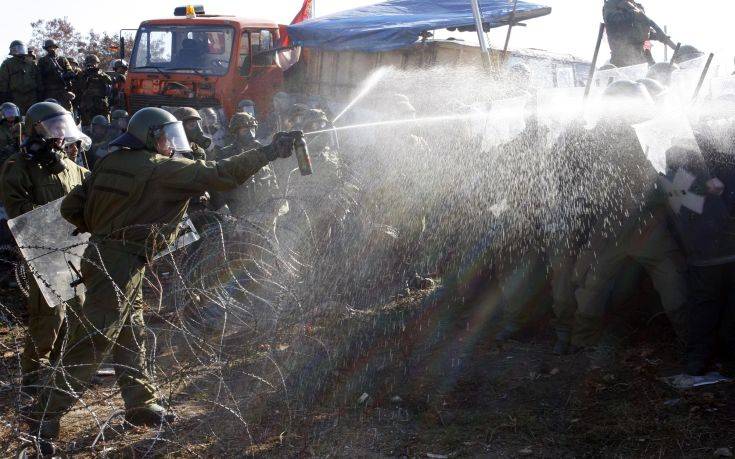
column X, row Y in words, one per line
column 204, row 61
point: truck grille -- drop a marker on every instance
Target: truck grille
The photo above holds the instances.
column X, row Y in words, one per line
column 138, row 101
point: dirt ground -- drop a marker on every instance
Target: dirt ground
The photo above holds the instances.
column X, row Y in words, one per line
column 432, row 383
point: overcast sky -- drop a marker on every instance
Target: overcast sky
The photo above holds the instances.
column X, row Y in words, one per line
column 571, row 27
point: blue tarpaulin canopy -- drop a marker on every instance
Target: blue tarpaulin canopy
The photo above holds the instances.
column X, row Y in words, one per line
column 396, row 24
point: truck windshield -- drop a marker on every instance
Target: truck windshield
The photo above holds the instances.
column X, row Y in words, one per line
column 200, row 49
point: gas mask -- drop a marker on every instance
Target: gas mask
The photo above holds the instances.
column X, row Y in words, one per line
column 195, row 133
column 98, row 133
column 48, row 154
column 246, row 135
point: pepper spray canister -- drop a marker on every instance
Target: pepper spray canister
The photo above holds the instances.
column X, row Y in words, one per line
column 302, row 154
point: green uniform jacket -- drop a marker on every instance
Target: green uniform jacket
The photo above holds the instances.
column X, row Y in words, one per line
column 25, row 185
column 93, row 90
column 8, row 140
column 20, row 82
column 52, row 78
column 139, row 197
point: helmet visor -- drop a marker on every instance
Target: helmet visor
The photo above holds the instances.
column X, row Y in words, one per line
column 171, row 138
column 10, row 111
column 17, row 50
column 64, row 128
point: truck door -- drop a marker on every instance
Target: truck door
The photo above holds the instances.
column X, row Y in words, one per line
column 261, row 77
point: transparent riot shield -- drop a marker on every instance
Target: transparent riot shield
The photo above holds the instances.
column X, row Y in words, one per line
column 559, row 107
column 53, row 250
column 603, row 78
column 695, row 196
column 722, row 86
column 684, row 81
column 504, row 120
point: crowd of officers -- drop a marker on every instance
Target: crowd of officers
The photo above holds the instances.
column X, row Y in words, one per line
column 62, row 132
column 189, row 160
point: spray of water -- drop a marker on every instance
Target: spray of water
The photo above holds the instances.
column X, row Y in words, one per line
column 278, row 311
column 370, row 83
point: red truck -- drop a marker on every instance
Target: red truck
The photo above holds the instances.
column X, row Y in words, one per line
column 199, row 60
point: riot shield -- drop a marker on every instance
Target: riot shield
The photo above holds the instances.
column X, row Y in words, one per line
column 603, row 78
column 722, row 86
column 684, row 81
column 501, row 123
column 699, row 211
column 53, row 250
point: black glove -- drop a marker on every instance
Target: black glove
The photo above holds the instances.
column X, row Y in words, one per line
column 282, row 145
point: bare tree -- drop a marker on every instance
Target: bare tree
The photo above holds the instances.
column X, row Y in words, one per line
column 75, row 45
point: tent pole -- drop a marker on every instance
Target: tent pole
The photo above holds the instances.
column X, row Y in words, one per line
column 481, row 33
column 593, row 65
column 510, row 29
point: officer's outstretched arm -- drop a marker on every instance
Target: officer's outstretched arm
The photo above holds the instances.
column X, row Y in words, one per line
column 186, row 178
column 72, row 207
column 183, row 178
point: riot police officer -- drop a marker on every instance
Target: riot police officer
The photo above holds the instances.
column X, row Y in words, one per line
column 38, row 174
column 94, row 89
column 56, row 75
column 132, row 204
column 10, row 130
column 20, row 81
column 119, row 77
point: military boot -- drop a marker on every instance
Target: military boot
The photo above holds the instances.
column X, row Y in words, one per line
column 563, row 342
column 45, row 432
column 508, row 332
column 149, row 415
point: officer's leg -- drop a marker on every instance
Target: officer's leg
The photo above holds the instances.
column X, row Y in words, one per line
column 96, row 326
column 44, row 331
column 563, row 285
column 657, row 251
column 522, row 287
column 706, row 285
column 129, row 355
column 596, row 282
column 727, row 322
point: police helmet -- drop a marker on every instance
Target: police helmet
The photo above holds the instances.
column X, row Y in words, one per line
column 18, row 48
column 661, row 72
column 119, row 114
column 186, row 114
column 9, row 110
column 242, row 120
column 100, row 120
column 49, row 44
column 91, row 61
column 119, row 63
column 147, row 126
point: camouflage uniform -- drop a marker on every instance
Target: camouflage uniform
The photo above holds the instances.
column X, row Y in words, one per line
column 25, row 186
column 131, row 204
column 93, row 91
column 53, row 70
column 20, row 82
